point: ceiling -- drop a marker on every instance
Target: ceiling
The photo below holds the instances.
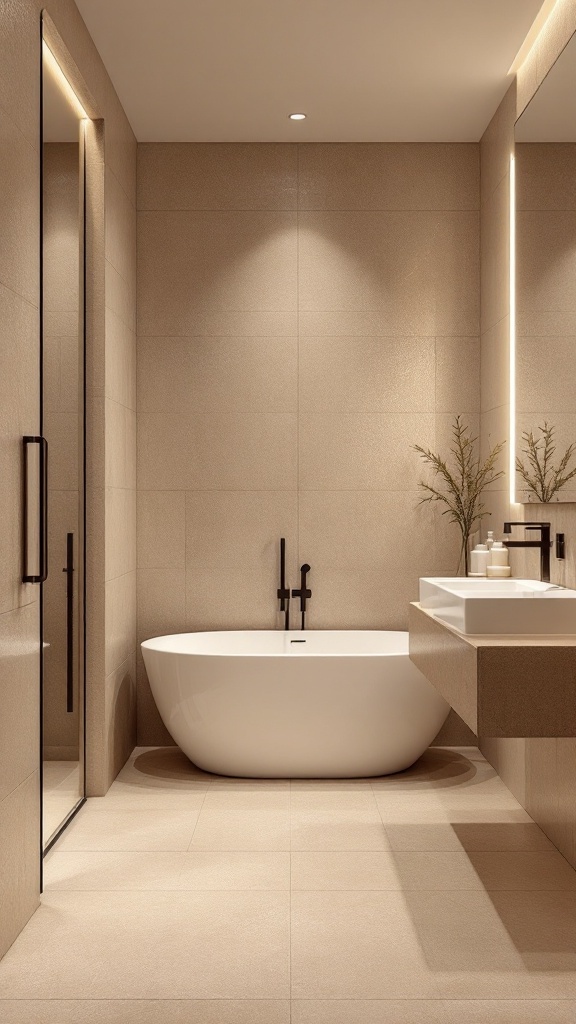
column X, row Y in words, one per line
column 362, row 70
column 551, row 115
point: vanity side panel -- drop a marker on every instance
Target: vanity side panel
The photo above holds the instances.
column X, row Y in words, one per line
column 447, row 661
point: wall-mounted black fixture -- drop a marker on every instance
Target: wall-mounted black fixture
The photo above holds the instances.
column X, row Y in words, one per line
column 69, row 570
column 544, row 544
column 560, row 546
column 304, row 593
column 35, row 539
column 283, row 591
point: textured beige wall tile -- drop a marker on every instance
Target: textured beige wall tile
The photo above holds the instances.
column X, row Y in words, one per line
column 217, row 176
column 545, row 176
column 61, row 227
column 495, row 273
column 362, row 451
column 120, row 596
column 19, row 858
column 566, row 768
column 497, row 144
column 543, row 375
column 203, row 374
column 457, row 374
column 362, row 374
column 420, row 268
column 120, row 245
column 61, row 430
column 161, row 529
column 389, row 176
column 168, row 1011
column 232, row 552
column 233, row 451
column 496, row 428
column 121, row 715
column 542, row 796
column 237, row 261
column 161, row 602
column 120, row 445
column 495, row 365
column 120, row 513
column 19, row 77
column 545, row 260
column 19, row 211
column 19, row 680
column 120, row 361
column 121, row 296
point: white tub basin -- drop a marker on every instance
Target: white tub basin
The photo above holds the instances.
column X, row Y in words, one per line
column 476, row 606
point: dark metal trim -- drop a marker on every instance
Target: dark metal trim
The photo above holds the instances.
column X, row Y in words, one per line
column 69, row 570
column 65, row 823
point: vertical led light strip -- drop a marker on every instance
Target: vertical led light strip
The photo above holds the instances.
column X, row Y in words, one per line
column 57, row 72
column 512, row 340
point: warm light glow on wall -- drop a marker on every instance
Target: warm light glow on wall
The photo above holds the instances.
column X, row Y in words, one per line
column 53, row 66
column 512, row 342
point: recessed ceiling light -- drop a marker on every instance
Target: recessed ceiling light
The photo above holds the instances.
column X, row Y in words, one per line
column 297, row 117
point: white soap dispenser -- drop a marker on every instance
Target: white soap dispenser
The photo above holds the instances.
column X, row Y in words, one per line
column 498, row 567
column 479, row 560
column 490, row 540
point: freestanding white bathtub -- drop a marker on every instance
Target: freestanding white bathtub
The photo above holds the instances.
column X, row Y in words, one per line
column 314, row 704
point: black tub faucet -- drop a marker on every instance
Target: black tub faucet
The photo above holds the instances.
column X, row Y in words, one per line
column 544, row 544
column 283, row 591
column 304, row 593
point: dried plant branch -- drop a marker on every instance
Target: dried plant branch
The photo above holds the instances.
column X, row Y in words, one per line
column 459, row 484
column 543, row 479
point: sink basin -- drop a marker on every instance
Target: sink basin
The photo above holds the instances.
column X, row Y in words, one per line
column 477, row 606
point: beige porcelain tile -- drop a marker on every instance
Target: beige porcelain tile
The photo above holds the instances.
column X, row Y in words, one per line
column 19, row 681
column 147, row 1011
column 495, row 429
column 19, row 858
column 457, row 374
column 202, row 374
column 495, row 365
column 419, row 808
column 120, row 361
column 162, row 768
column 108, row 872
column 439, row 767
column 161, row 602
column 536, row 386
column 86, row 945
column 340, row 941
column 543, row 239
column 362, row 451
column 245, row 796
column 388, row 176
column 455, row 837
column 343, row 870
column 546, row 871
column 348, row 599
column 565, row 834
column 497, row 144
column 217, row 176
column 554, row 322
column 445, row 870
column 226, row 945
column 421, row 268
column 120, row 532
column 360, row 374
column 422, row 1011
column 120, row 598
column 61, row 432
column 19, row 211
column 494, row 284
column 20, row 81
column 120, row 296
column 242, row 830
column 334, row 796
column 239, row 261
column 120, row 231
column 231, row 451
column 522, row 944
column 342, row 829
column 161, row 529
column 233, row 870
column 247, row 323
column 545, row 176
column 95, row 828
column 120, row 445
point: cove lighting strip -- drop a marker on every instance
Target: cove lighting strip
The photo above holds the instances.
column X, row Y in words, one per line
column 512, row 339
column 54, row 67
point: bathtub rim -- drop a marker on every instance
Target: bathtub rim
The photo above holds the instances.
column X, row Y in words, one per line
column 400, row 650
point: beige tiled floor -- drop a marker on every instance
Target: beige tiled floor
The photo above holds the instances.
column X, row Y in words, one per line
column 428, row 897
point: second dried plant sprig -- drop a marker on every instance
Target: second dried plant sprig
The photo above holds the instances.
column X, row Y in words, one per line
column 459, row 486
column 543, row 478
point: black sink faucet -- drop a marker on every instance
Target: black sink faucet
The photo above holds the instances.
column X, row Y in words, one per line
column 304, row 593
column 544, row 544
column 283, row 591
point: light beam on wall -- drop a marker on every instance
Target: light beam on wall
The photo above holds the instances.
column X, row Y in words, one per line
column 53, row 66
column 512, row 340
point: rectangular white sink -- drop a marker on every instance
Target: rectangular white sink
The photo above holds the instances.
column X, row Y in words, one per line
column 492, row 606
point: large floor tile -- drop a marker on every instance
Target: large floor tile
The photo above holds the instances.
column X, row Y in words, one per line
column 131, row 830
column 470, row 836
column 524, row 871
column 145, row 1011
column 242, row 830
column 112, row 871
column 228, row 869
column 424, row 1011
column 314, row 830
column 246, row 796
column 223, row 945
column 501, row 945
column 356, row 945
column 344, row 870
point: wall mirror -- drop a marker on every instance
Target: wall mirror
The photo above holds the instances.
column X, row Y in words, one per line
column 545, row 172
column 62, row 415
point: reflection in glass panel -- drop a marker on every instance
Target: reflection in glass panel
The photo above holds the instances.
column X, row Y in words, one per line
column 63, row 427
